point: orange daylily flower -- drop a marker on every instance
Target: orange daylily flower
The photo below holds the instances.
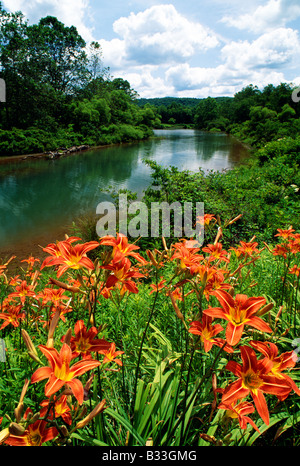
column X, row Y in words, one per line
column 246, row 249
column 158, row 287
column 216, row 252
column 12, row 314
column 60, row 373
column 206, row 219
column 207, row 332
column 120, row 244
column 110, row 355
column 254, row 378
column 214, row 282
column 285, row 234
column 30, row 261
column 280, row 362
column 67, row 256
column 239, row 411
column 23, row 291
column 238, row 311
column 59, row 408
column 187, row 256
column 295, row 270
column 122, row 272
column 35, row 434
column 54, row 295
column 84, row 341
column 281, row 250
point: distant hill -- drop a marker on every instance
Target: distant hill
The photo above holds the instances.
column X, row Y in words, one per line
column 166, row 101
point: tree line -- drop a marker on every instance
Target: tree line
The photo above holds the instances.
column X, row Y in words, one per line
column 58, row 91
column 254, row 115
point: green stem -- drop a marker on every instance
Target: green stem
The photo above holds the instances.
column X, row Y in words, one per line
column 141, row 349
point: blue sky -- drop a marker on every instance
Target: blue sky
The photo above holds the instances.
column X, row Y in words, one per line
column 185, row 48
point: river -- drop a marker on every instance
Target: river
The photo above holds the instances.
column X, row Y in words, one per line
column 39, row 198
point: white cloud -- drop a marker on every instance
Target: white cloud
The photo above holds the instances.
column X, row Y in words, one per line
column 219, row 81
column 274, row 14
column 159, row 35
column 273, row 49
column 70, row 12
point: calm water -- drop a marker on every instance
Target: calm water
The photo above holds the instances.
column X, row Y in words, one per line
column 38, row 196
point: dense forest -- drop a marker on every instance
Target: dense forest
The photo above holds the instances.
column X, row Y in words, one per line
column 58, row 92
column 254, row 115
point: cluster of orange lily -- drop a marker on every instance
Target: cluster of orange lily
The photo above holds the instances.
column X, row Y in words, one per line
column 258, row 366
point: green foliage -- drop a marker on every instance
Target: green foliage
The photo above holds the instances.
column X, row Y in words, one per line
column 52, row 86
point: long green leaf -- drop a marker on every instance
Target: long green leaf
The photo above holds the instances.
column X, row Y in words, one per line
column 126, row 424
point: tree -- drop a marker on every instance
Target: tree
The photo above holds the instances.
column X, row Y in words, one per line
column 58, row 54
column 206, row 111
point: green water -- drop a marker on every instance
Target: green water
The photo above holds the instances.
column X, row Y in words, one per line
column 40, row 195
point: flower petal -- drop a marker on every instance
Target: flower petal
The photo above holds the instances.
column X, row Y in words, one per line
column 233, row 333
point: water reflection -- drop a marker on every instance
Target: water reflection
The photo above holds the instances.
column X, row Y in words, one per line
column 38, row 194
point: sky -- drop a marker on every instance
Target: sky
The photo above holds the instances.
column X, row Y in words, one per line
column 185, row 48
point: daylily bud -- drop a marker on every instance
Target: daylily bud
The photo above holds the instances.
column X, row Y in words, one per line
column 52, row 327
column 19, row 408
column 177, row 310
column 68, row 336
column 34, row 418
column 164, row 244
column 235, row 219
column 64, row 431
column 73, row 289
column 152, row 258
column 97, row 410
column 4, row 434
column 28, row 342
column 16, row 429
column 264, row 309
column 208, row 438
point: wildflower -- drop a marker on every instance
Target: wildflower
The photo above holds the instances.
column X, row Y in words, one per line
column 122, row 272
column 285, row 234
column 67, row 256
column 60, row 373
column 246, row 249
column 34, row 435
column 58, row 407
column 280, row 362
column 158, row 287
column 120, row 244
column 295, row 270
column 215, row 282
column 187, row 256
column 23, row 291
column 84, row 341
column 12, row 314
column 206, row 219
column 55, row 296
column 207, row 332
column 238, row 312
column 216, row 252
column 281, row 250
column 254, row 378
column 31, row 261
column 110, row 355
column 239, row 411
